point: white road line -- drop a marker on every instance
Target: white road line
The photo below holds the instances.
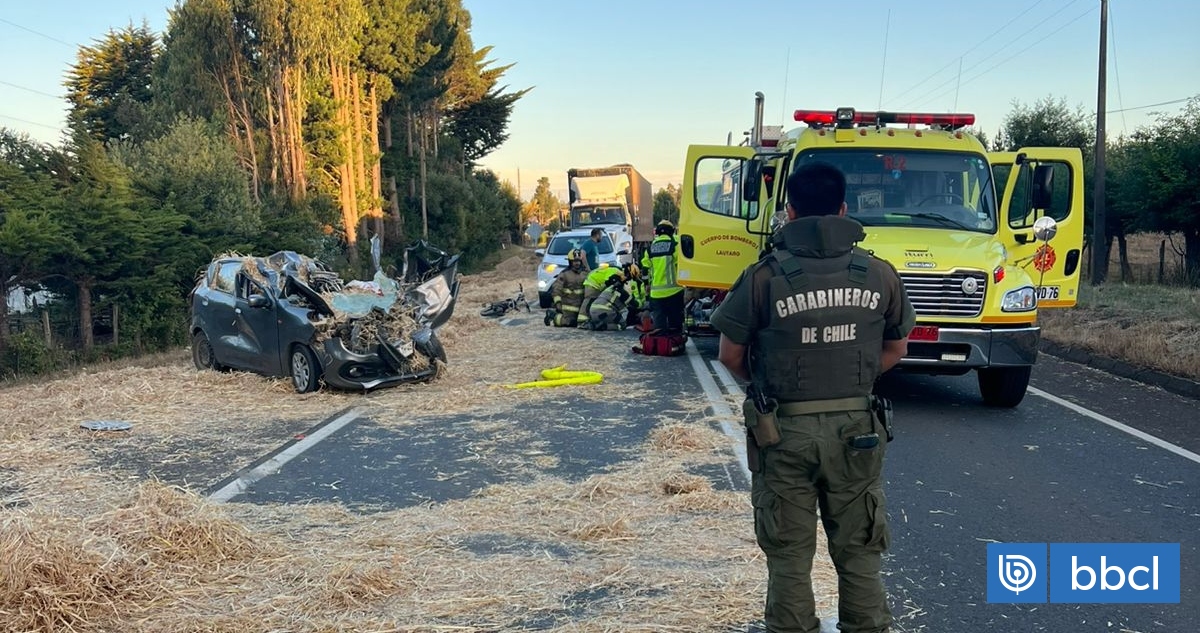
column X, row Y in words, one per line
column 719, row 406
column 1141, row 435
column 272, row 466
column 727, row 379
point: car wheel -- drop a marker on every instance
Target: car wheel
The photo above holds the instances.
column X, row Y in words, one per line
column 202, row 353
column 306, row 370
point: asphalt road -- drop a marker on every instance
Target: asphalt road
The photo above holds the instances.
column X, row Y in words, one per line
column 961, row 475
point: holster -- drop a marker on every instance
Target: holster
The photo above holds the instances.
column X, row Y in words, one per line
column 762, row 425
column 881, row 412
column 753, row 453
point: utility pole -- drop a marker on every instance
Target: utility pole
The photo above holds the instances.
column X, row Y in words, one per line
column 1099, row 235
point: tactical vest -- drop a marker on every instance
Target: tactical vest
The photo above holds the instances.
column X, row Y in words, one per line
column 824, row 332
column 661, row 255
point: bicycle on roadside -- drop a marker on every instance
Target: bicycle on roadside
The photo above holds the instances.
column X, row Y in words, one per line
column 512, row 304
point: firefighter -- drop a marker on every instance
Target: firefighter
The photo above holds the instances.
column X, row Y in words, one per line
column 596, row 282
column 567, row 292
column 810, row 327
column 661, row 259
column 610, row 305
column 636, row 285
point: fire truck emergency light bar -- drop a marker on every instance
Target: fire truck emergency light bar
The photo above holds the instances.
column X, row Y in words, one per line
column 846, row 117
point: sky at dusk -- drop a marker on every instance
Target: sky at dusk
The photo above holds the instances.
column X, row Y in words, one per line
column 637, row 81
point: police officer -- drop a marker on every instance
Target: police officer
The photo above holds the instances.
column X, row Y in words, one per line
column 811, row 326
column 661, row 259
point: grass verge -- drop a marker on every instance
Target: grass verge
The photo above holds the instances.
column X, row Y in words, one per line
column 1147, row 325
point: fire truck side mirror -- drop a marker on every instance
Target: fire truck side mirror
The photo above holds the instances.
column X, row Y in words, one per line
column 1043, row 187
column 752, row 174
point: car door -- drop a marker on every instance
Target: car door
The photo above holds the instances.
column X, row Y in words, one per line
column 215, row 313
column 1054, row 266
column 257, row 327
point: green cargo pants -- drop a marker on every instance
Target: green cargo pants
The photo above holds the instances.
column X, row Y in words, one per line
column 813, row 467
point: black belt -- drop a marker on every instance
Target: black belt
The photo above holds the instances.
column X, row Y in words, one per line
column 810, row 407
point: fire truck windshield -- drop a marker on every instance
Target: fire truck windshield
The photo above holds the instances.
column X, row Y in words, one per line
column 913, row 188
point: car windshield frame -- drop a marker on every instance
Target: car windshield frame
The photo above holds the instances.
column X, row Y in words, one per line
column 605, row 247
column 914, row 188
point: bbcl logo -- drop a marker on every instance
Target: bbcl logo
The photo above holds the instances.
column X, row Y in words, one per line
column 1083, row 572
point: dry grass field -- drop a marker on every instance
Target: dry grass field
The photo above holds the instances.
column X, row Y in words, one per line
column 92, row 541
column 1149, row 325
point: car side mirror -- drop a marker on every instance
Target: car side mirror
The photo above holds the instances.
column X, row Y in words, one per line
column 1043, row 187
column 258, row 301
column 541, row 252
column 622, row 252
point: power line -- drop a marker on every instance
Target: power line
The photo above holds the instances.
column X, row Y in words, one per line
column 998, row 51
column 969, row 50
column 1013, row 56
column 13, row 118
column 1112, row 34
column 36, row 92
column 1151, row 105
column 883, row 69
column 25, row 28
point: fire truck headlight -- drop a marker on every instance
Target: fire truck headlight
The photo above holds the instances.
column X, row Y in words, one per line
column 1022, row 299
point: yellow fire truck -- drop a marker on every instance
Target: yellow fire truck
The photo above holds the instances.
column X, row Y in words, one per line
column 976, row 265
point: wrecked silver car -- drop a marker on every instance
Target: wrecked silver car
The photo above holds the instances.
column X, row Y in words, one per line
column 291, row 315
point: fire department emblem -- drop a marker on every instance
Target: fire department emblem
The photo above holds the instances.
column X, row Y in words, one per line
column 1044, row 258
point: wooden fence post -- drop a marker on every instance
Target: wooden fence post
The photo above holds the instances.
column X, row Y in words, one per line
column 46, row 328
column 1162, row 261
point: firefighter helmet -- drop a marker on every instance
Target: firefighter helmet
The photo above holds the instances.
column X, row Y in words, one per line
column 575, row 254
column 665, row 227
column 632, row 271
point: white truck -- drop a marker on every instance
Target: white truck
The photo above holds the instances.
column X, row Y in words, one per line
column 617, row 199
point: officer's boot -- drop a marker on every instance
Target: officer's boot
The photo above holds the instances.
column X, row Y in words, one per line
column 549, row 317
column 601, row 323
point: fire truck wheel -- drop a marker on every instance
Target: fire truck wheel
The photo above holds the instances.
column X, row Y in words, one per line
column 1003, row 386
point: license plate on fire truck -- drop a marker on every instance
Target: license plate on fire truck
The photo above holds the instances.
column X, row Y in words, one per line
column 923, row 333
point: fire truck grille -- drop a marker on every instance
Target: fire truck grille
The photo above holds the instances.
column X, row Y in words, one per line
column 946, row 295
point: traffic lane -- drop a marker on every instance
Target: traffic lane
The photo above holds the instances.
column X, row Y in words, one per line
column 1160, row 413
column 961, row 475
column 433, row 458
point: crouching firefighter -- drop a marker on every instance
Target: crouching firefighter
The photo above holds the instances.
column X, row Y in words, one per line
column 595, row 283
column 609, row 308
column 810, row 326
column 636, row 285
column 567, row 293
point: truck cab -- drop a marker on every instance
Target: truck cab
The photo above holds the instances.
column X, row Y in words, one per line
column 981, row 241
column 616, row 199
